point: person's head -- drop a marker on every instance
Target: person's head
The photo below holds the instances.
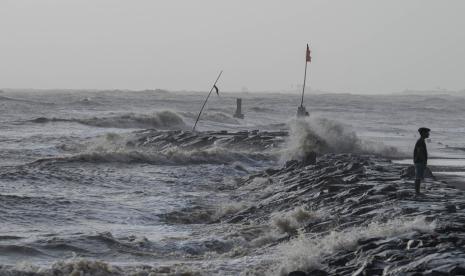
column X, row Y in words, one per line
column 424, row 132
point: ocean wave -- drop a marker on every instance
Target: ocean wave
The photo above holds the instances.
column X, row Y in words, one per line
column 163, row 119
column 162, row 148
column 289, row 222
column 86, row 102
column 217, row 117
column 320, row 135
column 202, row 215
column 20, row 250
column 307, row 253
column 9, row 99
column 8, row 201
column 170, row 156
column 262, row 109
column 81, row 266
column 73, row 266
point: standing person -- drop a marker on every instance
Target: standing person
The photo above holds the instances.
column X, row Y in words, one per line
column 420, row 157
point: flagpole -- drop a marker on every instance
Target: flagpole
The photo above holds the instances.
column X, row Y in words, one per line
column 205, row 102
column 303, row 88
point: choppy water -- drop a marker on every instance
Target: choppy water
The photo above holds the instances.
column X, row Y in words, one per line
column 82, row 179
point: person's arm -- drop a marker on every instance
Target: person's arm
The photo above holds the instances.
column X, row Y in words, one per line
column 426, row 154
column 422, row 153
column 416, row 153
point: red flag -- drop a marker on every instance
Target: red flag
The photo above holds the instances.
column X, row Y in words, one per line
column 308, row 57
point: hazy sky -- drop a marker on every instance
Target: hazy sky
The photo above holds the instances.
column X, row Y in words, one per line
column 359, row 46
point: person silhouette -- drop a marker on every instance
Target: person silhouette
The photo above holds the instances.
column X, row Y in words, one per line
column 420, row 157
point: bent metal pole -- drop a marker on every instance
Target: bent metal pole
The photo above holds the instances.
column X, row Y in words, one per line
column 205, row 102
column 308, row 59
column 303, row 88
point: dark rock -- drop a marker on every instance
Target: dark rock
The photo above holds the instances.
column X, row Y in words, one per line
column 341, row 261
column 402, row 194
column 414, row 244
column 458, row 270
column 291, row 163
column 351, row 179
column 309, row 159
column 317, row 272
column 450, row 208
column 297, row 273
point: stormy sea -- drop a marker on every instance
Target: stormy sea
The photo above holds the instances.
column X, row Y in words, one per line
column 117, row 183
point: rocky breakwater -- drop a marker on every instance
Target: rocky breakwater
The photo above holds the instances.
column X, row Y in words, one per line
column 240, row 140
column 350, row 214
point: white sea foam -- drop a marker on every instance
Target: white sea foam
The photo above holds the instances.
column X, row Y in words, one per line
column 86, row 267
column 321, row 135
column 72, row 266
column 307, row 252
column 291, row 221
column 230, row 208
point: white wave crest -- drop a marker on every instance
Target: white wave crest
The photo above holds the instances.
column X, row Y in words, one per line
column 165, row 119
column 161, row 119
column 321, row 136
column 114, row 148
column 290, row 222
column 306, row 252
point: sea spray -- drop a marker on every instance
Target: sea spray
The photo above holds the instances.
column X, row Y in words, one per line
column 229, row 209
column 321, row 135
column 289, row 222
column 307, row 251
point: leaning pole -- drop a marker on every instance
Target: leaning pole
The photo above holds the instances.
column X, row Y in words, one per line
column 205, row 102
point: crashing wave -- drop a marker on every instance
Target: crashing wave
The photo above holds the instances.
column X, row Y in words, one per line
column 170, row 148
column 81, row 266
column 320, row 135
column 171, row 156
column 306, row 253
column 163, row 119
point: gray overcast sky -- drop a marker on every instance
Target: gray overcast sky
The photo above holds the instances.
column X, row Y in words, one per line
column 360, row 46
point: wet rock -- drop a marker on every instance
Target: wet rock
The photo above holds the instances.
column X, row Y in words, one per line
column 450, row 208
column 291, row 163
column 411, row 244
column 309, row 159
column 409, row 172
column 351, row 179
column 297, row 273
column 457, row 270
column 317, row 272
column 402, row 194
